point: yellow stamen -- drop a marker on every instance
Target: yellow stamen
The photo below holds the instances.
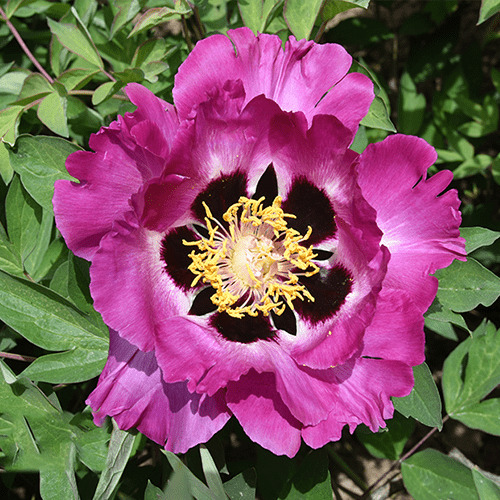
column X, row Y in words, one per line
column 257, row 259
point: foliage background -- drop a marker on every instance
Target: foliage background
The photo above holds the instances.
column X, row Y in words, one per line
column 62, row 67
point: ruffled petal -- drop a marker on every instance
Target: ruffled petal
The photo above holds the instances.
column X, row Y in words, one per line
column 295, row 77
column 420, row 225
column 365, row 387
column 131, row 390
column 262, row 413
column 131, row 288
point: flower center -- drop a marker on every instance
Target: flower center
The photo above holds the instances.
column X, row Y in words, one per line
column 255, row 265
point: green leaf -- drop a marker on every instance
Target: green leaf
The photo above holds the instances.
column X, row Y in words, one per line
column 388, row 442
column 34, row 260
column 465, row 285
column 76, row 78
column 154, row 493
column 242, row 486
column 24, row 216
column 484, row 416
column 60, row 483
column 255, row 13
column 126, row 11
column 411, row 106
column 34, row 433
column 482, row 374
column 423, row 403
column 430, row 475
column 477, row 237
column 488, row 8
column 157, row 15
column 10, row 259
column 105, row 91
column 35, row 87
column 76, row 41
column 9, row 120
column 437, row 313
column 312, row 479
column 45, row 318
column 121, row 445
column 40, row 161
column 378, row 117
column 211, row 473
column 300, row 16
column 486, row 489
column 52, row 113
column 187, row 479
column 6, row 171
column 130, row 75
column 77, row 365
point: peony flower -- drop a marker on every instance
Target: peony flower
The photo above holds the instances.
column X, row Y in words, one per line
column 246, row 261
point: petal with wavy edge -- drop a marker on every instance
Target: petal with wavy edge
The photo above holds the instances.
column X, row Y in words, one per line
column 420, row 225
column 130, row 287
column 131, row 390
column 262, row 413
column 295, row 77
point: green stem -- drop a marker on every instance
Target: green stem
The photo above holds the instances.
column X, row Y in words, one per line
column 24, row 46
column 398, row 463
column 91, row 93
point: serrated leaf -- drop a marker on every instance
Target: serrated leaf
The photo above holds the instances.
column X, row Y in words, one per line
column 40, row 161
column 477, row 237
column 312, row 479
column 76, row 41
column 120, row 448
column 45, row 318
column 430, row 475
column 300, row 16
column 242, row 486
column 423, row 403
column 465, row 285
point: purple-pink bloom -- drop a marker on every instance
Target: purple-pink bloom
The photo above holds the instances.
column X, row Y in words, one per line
column 246, row 261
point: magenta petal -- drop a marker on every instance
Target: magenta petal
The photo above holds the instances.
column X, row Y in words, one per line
column 131, row 390
column 420, row 225
column 85, row 212
column 262, row 413
column 365, row 387
column 349, row 100
column 153, row 109
column 130, row 287
column 404, row 339
column 295, row 78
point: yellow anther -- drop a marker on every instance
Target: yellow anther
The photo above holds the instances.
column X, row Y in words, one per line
column 255, row 262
